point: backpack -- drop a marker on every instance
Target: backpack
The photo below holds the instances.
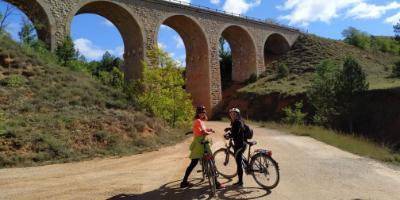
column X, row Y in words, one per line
column 247, row 131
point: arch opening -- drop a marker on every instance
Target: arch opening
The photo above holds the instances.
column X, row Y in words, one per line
column 275, row 46
column 38, row 17
column 128, row 28
column 244, row 62
column 197, row 73
column 225, row 63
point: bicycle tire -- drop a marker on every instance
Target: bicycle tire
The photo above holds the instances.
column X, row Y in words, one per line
column 264, row 166
column 212, row 176
column 226, row 166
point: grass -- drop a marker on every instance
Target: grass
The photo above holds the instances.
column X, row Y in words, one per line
column 51, row 114
column 308, row 52
column 351, row 143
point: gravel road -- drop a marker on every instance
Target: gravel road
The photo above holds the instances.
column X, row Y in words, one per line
column 309, row 170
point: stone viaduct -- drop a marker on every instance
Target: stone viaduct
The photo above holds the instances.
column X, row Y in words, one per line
column 254, row 44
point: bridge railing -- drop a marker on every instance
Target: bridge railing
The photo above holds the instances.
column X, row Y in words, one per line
column 266, row 21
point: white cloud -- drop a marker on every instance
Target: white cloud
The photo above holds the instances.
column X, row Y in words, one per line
column 240, row 6
column 162, row 45
column 216, row 2
column 93, row 52
column 119, row 51
column 164, row 27
column 106, row 22
column 305, row 11
column 178, row 42
column 371, row 11
column 182, row 60
column 393, row 19
column 180, row 1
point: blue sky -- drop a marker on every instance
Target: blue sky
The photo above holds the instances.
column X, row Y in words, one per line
column 94, row 35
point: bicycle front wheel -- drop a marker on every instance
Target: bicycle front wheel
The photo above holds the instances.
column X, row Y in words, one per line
column 225, row 163
column 265, row 171
column 212, row 176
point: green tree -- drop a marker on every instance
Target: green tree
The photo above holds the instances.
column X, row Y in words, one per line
column 335, row 93
column 27, row 33
column 396, row 29
column 161, row 89
column 66, row 51
column 321, row 94
column 351, row 82
column 357, row 38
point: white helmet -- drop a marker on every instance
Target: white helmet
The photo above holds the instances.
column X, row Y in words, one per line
column 234, row 110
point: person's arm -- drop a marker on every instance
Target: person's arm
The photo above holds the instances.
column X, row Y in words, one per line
column 204, row 130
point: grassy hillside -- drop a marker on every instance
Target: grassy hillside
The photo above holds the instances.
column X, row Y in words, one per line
column 309, row 51
column 52, row 114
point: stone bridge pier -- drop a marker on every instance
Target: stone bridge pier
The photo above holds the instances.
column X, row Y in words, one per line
column 254, row 44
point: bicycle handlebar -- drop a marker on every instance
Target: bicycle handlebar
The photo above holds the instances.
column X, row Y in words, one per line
column 188, row 133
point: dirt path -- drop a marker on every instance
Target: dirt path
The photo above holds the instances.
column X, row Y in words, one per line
column 309, row 170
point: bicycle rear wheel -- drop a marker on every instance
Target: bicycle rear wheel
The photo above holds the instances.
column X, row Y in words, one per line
column 212, row 176
column 265, row 171
column 225, row 163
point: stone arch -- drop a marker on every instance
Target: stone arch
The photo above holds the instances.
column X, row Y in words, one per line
column 40, row 18
column 275, row 46
column 198, row 82
column 128, row 27
column 244, row 56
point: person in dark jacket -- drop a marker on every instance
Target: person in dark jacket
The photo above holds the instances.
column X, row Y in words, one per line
column 239, row 145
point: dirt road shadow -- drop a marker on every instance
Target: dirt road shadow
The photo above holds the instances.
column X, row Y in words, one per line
column 172, row 191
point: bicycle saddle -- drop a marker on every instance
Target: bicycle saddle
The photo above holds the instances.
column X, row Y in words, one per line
column 251, row 143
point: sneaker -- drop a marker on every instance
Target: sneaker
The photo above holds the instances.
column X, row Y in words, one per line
column 186, row 184
column 219, row 186
column 238, row 184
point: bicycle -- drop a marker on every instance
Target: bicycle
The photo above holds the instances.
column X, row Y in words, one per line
column 208, row 167
column 259, row 163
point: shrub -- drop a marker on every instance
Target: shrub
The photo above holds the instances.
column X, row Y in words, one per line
column 2, row 122
column 252, row 79
column 13, row 81
column 294, row 116
column 396, row 70
column 283, row 71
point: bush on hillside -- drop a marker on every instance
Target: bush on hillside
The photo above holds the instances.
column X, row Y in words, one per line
column 295, row 115
column 283, row 71
column 356, row 37
column 396, row 70
column 252, row 79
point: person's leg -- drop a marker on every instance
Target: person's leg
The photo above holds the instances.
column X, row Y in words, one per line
column 188, row 171
column 238, row 158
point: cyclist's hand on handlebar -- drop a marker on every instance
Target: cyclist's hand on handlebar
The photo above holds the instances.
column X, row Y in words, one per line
column 227, row 136
column 211, row 130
